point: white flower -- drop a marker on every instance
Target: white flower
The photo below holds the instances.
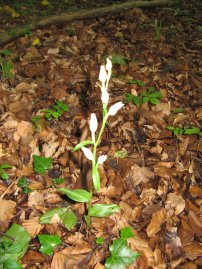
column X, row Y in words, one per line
column 103, row 74
column 93, row 123
column 102, row 159
column 113, row 109
column 105, row 96
column 88, row 153
column 108, row 65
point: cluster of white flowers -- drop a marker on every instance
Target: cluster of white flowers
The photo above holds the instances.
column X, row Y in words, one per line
column 104, row 77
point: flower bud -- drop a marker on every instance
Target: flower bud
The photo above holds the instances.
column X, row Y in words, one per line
column 102, row 159
column 103, row 74
column 108, row 65
column 105, row 96
column 88, row 153
column 93, row 123
column 113, row 109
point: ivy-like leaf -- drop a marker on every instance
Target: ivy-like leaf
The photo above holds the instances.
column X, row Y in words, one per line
column 69, row 219
column 46, row 218
column 48, row 242
column 41, row 164
column 126, row 233
column 77, row 195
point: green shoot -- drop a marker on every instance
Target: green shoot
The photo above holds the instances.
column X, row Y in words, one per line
column 137, row 82
column 56, row 110
column 121, row 154
column 119, row 59
column 158, row 29
column 5, row 64
column 3, row 174
column 151, row 96
column 185, row 131
column 121, row 253
column 99, row 240
column 23, row 183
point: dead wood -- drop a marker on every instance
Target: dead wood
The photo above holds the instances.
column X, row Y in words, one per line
column 13, row 33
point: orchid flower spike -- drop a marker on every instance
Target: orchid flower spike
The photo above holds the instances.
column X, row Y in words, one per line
column 93, row 125
column 103, row 75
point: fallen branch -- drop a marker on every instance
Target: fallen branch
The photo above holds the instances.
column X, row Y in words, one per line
column 14, row 33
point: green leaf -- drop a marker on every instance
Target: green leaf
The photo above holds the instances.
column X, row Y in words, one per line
column 129, row 97
column 22, row 182
column 57, row 181
column 48, row 242
column 154, row 100
column 83, row 144
column 119, row 59
column 126, row 233
column 26, row 190
column 5, row 52
column 77, row 195
column 121, row 154
column 96, row 178
column 103, row 210
column 137, row 82
column 41, row 164
column 137, row 100
column 178, row 110
column 190, row 131
column 62, row 106
column 156, row 94
column 121, row 255
column 7, row 69
column 50, row 112
column 99, row 240
column 69, row 219
column 5, row 166
column 47, row 217
column 11, row 264
column 170, row 128
column 4, row 175
column 145, row 99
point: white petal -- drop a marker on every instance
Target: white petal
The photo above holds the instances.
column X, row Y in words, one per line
column 88, row 153
column 93, row 123
column 105, row 97
column 102, row 159
column 113, row 109
column 109, row 65
column 103, row 74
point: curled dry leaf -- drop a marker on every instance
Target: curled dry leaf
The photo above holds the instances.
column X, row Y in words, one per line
column 158, row 218
column 139, row 175
column 35, row 199
column 175, row 202
column 130, row 213
column 195, row 222
column 6, row 213
column 193, row 251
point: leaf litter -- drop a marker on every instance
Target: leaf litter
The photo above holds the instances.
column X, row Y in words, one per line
column 157, row 184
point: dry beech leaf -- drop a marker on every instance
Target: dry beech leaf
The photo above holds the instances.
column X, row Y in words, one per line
column 72, row 256
column 175, row 202
column 158, row 218
column 195, row 191
column 139, row 175
column 193, row 251
column 50, row 149
column 130, row 213
column 32, row 226
column 195, row 222
column 35, row 199
column 33, row 257
column 6, row 213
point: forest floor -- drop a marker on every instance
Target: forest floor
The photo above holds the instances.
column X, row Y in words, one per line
column 153, row 144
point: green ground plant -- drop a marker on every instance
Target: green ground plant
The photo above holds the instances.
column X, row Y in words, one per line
column 151, row 96
column 158, row 29
column 185, row 130
column 3, row 174
column 6, row 65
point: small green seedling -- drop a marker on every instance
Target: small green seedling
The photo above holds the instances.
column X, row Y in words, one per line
column 26, row 31
column 56, row 110
column 41, row 164
column 99, row 240
column 158, row 29
column 185, row 131
column 57, row 181
column 121, row 253
column 23, row 183
column 6, row 64
column 121, row 154
column 66, row 215
column 151, row 96
column 137, row 82
column 3, row 173
column 48, row 243
column 13, row 245
column 119, row 59
column 178, row 110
